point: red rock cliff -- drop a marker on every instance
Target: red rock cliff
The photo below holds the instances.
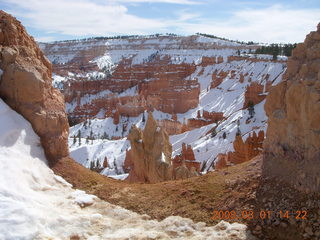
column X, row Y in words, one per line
column 292, row 146
column 25, row 86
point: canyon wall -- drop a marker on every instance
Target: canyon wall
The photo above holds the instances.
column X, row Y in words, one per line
column 26, row 86
column 292, row 146
column 192, row 84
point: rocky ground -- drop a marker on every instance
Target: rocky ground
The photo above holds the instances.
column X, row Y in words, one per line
column 195, row 198
column 238, row 188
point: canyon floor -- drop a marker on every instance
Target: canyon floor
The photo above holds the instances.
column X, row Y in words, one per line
column 241, row 188
column 232, row 188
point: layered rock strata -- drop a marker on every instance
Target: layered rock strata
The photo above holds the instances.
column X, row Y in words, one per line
column 292, row 146
column 26, row 86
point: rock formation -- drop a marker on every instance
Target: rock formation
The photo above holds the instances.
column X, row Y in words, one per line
column 187, row 159
column 150, row 154
column 254, row 93
column 25, row 86
column 243, row 150
column 149, row 159
column 292, row 146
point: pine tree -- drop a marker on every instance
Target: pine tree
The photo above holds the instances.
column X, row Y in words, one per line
column 224, row 135
column 79, row 136
column 74, row 140
column 105, row 136
column 251, row 109
column 87, row 140
column 91, row 165
column 143, row 118
column 213, row 133
column 238, row 131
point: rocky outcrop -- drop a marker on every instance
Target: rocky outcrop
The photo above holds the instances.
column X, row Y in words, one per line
column 243, row 150
column 25, row 86
column 248, row 149
column 159, row 84
column 255, row 93
column 149, row 159
column 172, row 127
column 213, row 116
column 292, row 146
column 217, row 78
column 187, row 159
column 150, row 154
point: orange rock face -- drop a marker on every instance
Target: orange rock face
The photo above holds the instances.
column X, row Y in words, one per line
column 150, row 154
column 26, row 86
column 149, row 159
column 243, row 150
column 186, row 158
column 254, row 93
column 292, row 146
column 172, row 127
column 213, row 116
column 169, row 91
column 246, row 150
column 217, row 78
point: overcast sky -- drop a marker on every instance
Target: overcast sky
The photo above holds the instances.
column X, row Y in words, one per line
column 248, row 20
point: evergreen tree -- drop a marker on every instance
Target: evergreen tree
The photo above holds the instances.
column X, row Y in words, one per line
column 115, row 166
column 79, row 136
column 251, row 109
column 87, row 140
column 238, row 133
column 213, row 133
column 105, row 136
column 74, row 140
column 224, row 135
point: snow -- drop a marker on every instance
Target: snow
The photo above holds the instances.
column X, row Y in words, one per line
column 83, row 199
column 36, row 204
column 163, row 157
column 228, row 98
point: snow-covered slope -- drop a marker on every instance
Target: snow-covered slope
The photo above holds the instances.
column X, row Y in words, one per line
column 36, row 204
column 228, row 97
column 105, row 79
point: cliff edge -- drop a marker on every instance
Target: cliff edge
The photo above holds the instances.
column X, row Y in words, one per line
column 26, row 86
